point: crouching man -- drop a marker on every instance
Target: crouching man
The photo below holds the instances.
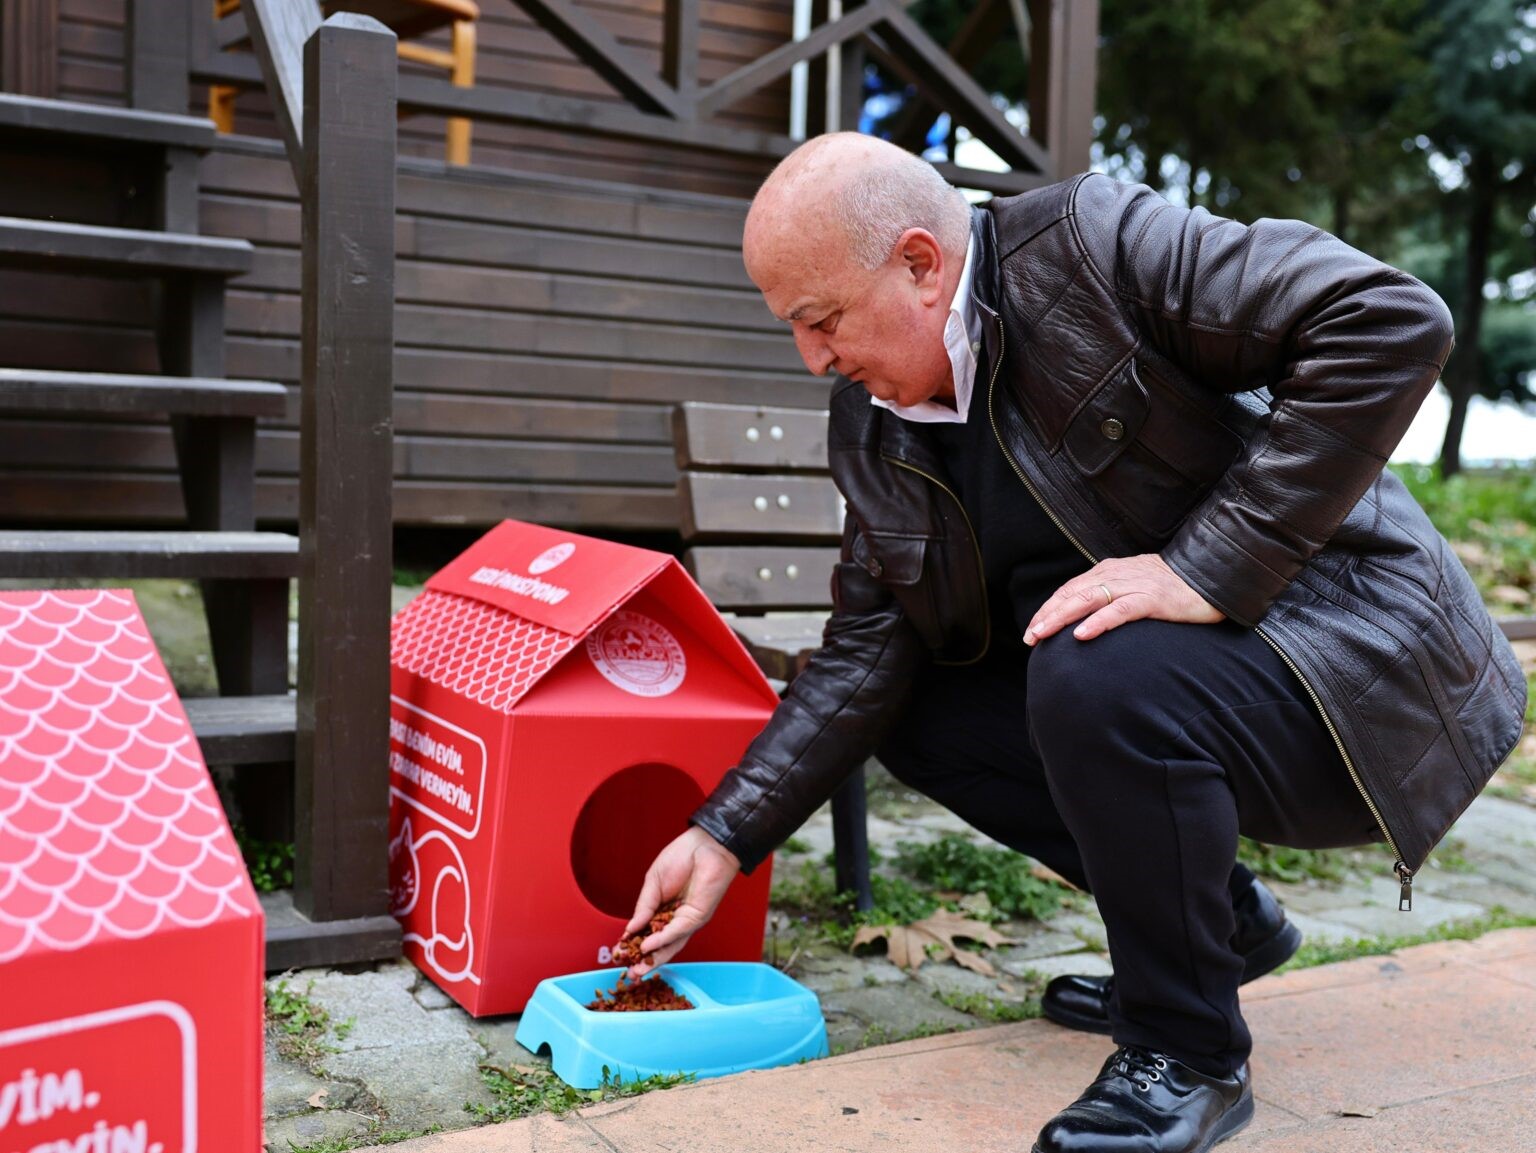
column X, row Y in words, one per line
column 1122, row 578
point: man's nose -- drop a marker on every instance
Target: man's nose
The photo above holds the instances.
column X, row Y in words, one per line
column 814, row 351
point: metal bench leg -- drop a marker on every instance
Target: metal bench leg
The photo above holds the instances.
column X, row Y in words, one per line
column 850, row 840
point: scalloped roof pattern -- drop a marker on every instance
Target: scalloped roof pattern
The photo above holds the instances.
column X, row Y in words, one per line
column 109, row 824
column 484, row 653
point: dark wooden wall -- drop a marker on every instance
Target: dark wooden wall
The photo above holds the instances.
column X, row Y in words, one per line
column 545, row 321
column 544, row 328
column 514, row 54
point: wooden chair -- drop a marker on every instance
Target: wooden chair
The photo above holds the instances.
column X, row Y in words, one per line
column 409, row 20
column 750, row 476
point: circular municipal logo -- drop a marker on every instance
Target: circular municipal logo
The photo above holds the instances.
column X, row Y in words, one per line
column 638, row 655
column 551, row 558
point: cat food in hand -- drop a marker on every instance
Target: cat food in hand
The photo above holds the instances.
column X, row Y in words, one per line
column 627, row 951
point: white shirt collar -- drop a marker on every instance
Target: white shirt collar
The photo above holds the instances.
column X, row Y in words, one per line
column 962, row 340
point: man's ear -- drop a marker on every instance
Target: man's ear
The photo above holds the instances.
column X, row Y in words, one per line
column 923, row 261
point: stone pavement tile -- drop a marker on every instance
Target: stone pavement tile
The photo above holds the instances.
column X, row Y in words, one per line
column 1318, row 931
column 419, row 1085
column 383, row 1012
column 1085, row 962
column 1497, row 1118
column 1388, row 921
column 1413, row 1032
column 316, row 1127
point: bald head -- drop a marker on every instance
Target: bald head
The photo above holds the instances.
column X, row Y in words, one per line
column 857, row 194
column 860, row 247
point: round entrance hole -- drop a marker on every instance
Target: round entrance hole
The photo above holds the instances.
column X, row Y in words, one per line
column 626, row 821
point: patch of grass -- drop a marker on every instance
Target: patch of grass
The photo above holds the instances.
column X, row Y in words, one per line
column 991, row 1009
column 364, row 1140
column 1516, row 778
column 957, row 864
column 300, row 1026
column 520, row 1091
column 1327, row 952
column 1278, row 863
column 795, row 846
column 808, row 893
column 270, row 863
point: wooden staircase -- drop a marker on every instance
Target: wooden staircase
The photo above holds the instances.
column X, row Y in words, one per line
column 244, row 574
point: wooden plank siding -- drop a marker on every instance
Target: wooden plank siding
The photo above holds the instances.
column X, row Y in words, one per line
column 514, row 54
column 544, row 329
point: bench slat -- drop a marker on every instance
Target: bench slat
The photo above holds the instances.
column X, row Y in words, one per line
column 725, row 505
column 93, row 121
column 238, row 555
column 32, row 390
column 744, row 438
column 125, row 251
column 763, row 579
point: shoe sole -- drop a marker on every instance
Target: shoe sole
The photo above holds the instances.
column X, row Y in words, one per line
column 1265, row 959
column 1232, row 1123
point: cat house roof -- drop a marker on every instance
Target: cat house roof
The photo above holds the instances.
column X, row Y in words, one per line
column 109, row 824
column 504, row 613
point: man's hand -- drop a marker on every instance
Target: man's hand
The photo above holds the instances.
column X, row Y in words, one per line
column 694, row 867
column 1115, row 591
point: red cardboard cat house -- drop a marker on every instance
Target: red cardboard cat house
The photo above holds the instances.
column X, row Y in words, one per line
column 560, row 705
column 130, row 936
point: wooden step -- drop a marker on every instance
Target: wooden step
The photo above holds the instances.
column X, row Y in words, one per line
column 25, row 114
column 244, row 730
column 33, row 555
column 50, row 245
column 32, row 390
column 296, row 942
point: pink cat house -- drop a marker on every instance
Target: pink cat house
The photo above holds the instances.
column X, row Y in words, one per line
column 130, row 936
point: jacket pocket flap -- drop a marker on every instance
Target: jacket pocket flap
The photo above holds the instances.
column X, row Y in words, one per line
column 892, row 560
column 1105, row 426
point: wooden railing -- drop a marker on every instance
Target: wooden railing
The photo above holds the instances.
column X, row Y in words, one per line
column 333, row 87
column 672, row 108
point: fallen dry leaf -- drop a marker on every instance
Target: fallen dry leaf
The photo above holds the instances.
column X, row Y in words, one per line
column 317, row 1098
column 908, row 945
column 1046, row 873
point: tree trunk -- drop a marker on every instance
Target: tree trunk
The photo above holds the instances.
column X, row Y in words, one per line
column 1464, row 373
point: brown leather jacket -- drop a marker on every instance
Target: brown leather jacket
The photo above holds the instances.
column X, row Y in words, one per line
column 1164, row 380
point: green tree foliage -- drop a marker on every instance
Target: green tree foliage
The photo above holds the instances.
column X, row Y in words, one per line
column 1483, row 130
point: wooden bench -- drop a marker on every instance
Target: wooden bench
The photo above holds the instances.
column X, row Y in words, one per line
column 764, row 518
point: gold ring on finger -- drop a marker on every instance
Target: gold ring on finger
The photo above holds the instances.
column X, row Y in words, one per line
column 1109, row 597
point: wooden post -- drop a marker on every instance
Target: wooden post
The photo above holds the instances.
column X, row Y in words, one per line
column 680, row 48
column 156, row 50
column 345, row 446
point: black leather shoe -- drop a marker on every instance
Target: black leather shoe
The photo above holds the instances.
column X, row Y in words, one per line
column 1263, row 936
column 1146, row 1102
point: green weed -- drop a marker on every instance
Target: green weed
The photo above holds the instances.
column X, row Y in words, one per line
column 957, row 864
column 520, row 1091
column 1327, row 952
column 990, row 1009
column 300, row 1026
column 270, row 863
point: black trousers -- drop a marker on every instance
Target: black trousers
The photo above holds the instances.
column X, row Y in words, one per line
column 1129, row 764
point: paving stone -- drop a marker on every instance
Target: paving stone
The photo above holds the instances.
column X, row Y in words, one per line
column 287, row 1089
column 419, row 1085
column 1035, row 940
column 837, row 973
column 498, row 1036
column 894, row 1010
column 1085, row 962
column 430, row 997
column 284, row 1134
column 384, row 1014
column 952, row 979
column 1318, row 931
column 1084, row 924
column 1380, row 921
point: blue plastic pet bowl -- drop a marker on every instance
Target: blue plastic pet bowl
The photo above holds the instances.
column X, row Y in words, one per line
column 746, row 1015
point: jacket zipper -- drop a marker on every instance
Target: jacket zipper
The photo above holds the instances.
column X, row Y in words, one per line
column 986, row 606
column 1404, row 873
